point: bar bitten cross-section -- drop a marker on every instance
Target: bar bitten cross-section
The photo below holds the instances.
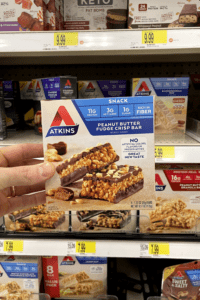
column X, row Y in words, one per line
column 114, row 184
column 90, row 160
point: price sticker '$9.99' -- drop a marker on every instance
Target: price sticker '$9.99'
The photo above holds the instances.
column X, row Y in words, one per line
column 154, row 37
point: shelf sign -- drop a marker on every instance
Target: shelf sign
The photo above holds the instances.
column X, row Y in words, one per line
column 13, row 246
column 159, row 249
column 164, row 152
column 83, row 247
column 66, row 39
column 154, row 37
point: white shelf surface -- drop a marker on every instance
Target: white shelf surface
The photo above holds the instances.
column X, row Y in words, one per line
column 186, row 40
column 107, row 248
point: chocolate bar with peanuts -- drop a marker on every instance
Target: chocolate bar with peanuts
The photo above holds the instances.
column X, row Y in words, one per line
column 49, row 220
column 188, row 14
column 86, row 215
column 23, row 213
column 90, row 160
column 114, row 184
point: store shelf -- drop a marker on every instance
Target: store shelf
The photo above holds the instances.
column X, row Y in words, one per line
column 98, row 46
column 20, row 137
column 107, row 248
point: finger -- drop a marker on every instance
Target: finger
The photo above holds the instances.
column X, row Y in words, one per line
column 26, row 175
column 29, row 162
column 21, row 190
column 12, row 155
column 8, row 205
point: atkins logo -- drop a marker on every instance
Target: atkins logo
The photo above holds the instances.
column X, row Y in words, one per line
column 67, row 260
column 56, row 129
column 143, row 90
column 68, row 84
column 159, row 183
column 90, row 88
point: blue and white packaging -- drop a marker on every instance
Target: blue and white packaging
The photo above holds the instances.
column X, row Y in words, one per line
column 171, row 99
column 19, row 276
column 110, row 138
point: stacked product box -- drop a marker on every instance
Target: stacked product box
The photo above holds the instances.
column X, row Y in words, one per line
column 102, row 88
column 26, row 95
column 21, row 15
column 171, row 98
column 36, row 219
column 20, row 276
column 79, row 277
column 110, row 221
column 110, row 153
column 64, row 87
column 12, row 104
column 177, row 201
column 53, row 14
column 156, row 14
column 95, row 15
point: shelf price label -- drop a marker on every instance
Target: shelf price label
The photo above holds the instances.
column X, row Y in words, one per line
column 83, row 247
column 13, row 246
column 154, row 37
column 164, row 152
column 159, row 249
column 66, row 39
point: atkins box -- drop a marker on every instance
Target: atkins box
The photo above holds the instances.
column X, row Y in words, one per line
column 104, row 153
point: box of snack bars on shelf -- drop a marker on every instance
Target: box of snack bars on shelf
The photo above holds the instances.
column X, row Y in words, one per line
column 53, row 14
column 109, row 153
column 20, row 276
column 110, row 221
column 177, row 201
column 26, row 95
column 37, row 219
column 156, row 14
column 171, row 98
column 102, row 88
column 69, row 277
column 21, row 15
column 95, row 15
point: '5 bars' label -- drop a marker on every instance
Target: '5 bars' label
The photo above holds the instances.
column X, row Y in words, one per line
column 94, row 2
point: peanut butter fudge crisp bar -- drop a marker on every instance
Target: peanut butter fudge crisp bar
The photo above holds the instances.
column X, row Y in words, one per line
column 90, row 160
column 113, row 184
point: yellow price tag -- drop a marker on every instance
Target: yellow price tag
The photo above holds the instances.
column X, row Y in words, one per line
column 154, row 37
column 13, row 246
column 159, row 248
column 85, row 247
column 66, row 39
column 164, row 152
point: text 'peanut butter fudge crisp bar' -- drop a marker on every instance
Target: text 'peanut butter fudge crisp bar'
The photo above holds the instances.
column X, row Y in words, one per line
column 90, row 160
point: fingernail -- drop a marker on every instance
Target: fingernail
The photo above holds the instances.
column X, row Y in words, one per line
column 47, row 169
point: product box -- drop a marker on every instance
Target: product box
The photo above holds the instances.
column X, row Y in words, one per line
column 177, row 201
column 102, row 88
column 53, row 14
column 110, row 221
column 95, row 14
column 20, row 276
column 55, row 88
column 26, row 95
column 37, row 219
column 181, row 281
column 156, row 14
column 171, row 98
column 79, row 277
column 12, row 104
column 21, row 15
column 109, row 160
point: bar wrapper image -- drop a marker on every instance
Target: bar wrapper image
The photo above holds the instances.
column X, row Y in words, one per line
column 104, row 221
column 171, row 99
column 74, row 277
column 177, row 201
column 37, row 219
column 108, row 157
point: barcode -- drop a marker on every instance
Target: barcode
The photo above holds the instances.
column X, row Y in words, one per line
column 1, row 244
column 144, row 247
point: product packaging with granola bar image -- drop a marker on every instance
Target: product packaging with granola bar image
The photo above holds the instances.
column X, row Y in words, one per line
column 177, row 201
column 109, row 160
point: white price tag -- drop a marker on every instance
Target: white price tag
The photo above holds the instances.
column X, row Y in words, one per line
column 71, row 247
column 144, row 250
column 1, row 246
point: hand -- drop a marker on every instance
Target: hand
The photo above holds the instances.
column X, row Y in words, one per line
column 20, row 175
